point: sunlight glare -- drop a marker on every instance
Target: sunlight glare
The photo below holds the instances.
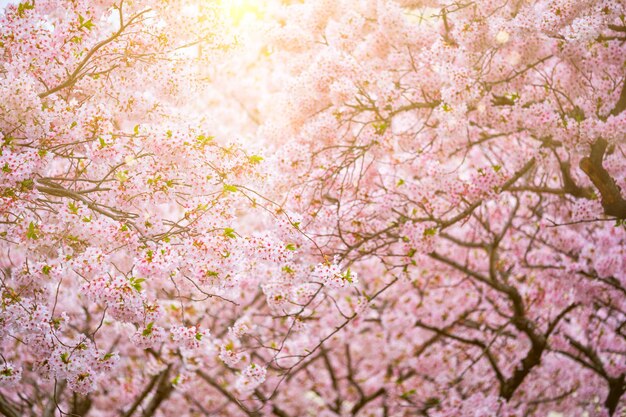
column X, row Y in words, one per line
column 242, row 11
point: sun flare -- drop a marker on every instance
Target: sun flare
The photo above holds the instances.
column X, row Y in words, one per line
column 241, row 11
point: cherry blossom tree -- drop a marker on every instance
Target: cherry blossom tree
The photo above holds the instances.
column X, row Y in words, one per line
column 469, row 155
column 334, row 208
column 134, row 228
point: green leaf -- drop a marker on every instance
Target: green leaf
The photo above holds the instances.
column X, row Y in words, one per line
column 230, row 233
column 577, row 114
column 381, row 127
column 148, row 330
column 431, row 231
column 348, row 276
column 27, row 185
column 88, row 25
column 407, row 394
column 255, row 159
column 136, row 283
column 121, row 176
column 230, row 188
column 73, row 207
column 22, row 7
column 512, row 96
column 290, row 246
column 56, row 322
column 204, row 140
column 32, row 232
column 46, row 269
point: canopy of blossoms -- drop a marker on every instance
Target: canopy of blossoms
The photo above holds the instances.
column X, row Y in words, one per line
column 313, row 208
